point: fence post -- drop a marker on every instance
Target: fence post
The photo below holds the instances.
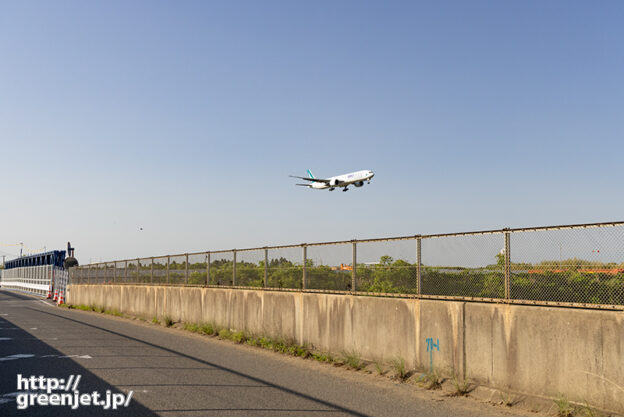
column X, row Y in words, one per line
column 152, row 271
column 89, row 275
column 234, row 268
column 114, row 272
column 138, row 270
column 207, row 268
column 304, row 281
column 354, row 268
column 168, row 259
column 186, row 269
column 126, row 272
column 418, row 263
column 507, row 265
column 266, row 267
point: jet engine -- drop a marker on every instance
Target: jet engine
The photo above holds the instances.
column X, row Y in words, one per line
column 359, row 183
column 334, row 183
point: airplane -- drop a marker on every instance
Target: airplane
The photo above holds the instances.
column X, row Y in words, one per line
column 339, row 181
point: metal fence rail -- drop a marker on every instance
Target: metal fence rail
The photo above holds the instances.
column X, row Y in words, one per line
column 573, row 265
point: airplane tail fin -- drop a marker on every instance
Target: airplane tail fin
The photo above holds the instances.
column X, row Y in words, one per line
column 310, row 174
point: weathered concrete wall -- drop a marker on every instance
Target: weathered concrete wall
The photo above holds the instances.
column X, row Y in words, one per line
column 536, row 350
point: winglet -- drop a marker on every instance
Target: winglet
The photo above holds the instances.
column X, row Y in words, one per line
column 310, row 174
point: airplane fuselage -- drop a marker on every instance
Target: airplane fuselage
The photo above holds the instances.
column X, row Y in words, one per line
column 356, row 178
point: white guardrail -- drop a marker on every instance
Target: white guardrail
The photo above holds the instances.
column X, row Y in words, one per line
column 44, row 280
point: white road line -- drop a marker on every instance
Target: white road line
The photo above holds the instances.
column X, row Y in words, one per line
column 17, row 356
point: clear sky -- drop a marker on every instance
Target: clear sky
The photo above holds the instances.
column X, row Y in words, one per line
column 185, row 119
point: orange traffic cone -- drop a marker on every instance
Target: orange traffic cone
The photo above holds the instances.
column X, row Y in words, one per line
column 61, row 299
column 55, row 295
column 49, row 295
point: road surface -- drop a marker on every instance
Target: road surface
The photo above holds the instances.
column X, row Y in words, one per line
column 176, row 373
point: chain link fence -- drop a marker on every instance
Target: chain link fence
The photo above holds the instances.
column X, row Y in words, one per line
column 574, row 265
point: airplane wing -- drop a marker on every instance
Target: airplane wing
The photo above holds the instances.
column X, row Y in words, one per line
column 304, row 185
column 311, row 179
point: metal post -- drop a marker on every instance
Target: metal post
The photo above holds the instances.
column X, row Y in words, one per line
column 353, row 269
column 126, row 272
column 266, row 267
column 114, row 272
column 507, row 266
column 208, row 268
column 304, row 282
column 186, row 269
column 152, row 271
column 234, row 268
column 168, row 259
column 138, row 270
column 89, row 275
column 418, row 263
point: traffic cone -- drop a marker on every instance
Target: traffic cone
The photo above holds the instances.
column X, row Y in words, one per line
column 61, row 299
column 49, row 295
column 55, row 295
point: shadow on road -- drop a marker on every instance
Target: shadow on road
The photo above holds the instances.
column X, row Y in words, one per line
column 22, row 353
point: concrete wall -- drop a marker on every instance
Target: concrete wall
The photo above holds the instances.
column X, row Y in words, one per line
column 540, row 351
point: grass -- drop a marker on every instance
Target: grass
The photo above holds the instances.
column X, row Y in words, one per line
column 587, row 411
column 462, row 385
column 507, row 399
column 155, row 320
column 322, row 357
column 564, row 408
column 379, row 367
column 224, row 334
column 352, row 360
column 113, row 312
column 238, row 337
column 167, row 321
column 399, row 370
column 191, row 327
column 207, row 329
column 430, row 380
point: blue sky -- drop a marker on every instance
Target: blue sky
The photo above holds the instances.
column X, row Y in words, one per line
column 186, row 118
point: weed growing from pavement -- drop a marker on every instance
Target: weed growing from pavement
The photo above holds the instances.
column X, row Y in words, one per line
column 430, row 380
column 587, row 411
column 399, row 369
column 507, row 399
column 379, row 367
column 462, row 385
column 224, row 334
column 191, row 327
column 564, row 407
column 206, row 328
column 352, row 360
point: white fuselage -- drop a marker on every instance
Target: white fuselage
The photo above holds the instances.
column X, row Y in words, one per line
column 358, row 178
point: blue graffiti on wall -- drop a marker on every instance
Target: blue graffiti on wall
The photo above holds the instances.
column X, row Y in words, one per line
column 431, row 346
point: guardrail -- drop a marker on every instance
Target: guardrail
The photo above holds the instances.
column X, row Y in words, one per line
column 569, row 265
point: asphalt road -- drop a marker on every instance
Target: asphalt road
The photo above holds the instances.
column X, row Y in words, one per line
column 172, row 372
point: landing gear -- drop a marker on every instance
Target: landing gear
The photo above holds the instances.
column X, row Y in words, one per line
column 345, row 189
column 332, row 189
column 369, row 181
